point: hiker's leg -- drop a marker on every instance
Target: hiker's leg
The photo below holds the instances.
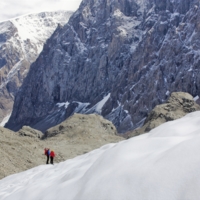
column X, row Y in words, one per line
column 51, row 160
column 47, row 160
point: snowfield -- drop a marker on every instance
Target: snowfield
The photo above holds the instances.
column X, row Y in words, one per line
column 163, row 164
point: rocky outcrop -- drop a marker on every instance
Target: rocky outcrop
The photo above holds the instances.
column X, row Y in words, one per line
column 118, row 58
column 178, row 105
column 21, row 41
column 30, row 132
column 76, row 136
column 82, row 125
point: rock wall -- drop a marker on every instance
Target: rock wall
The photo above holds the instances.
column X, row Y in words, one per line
column 21, row 41
column 135, row 52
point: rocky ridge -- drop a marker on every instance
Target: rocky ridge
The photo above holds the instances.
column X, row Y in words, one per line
column 77, row 135
column 88, row 124
column 178, row 105
column 21, row 41
column 118, row 58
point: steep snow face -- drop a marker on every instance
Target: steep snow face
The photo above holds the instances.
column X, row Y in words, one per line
column 29, row 35
column 38, row 27
column 162, row 164
column 136, row 51
column 99, row 106
column 21, row 41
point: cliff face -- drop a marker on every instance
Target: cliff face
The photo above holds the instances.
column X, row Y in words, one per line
column 119, row 58
column 21, row 41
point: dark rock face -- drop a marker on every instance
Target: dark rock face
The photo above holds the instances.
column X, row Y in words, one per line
column 133, row 52
column 21, row 41
column 178, row 105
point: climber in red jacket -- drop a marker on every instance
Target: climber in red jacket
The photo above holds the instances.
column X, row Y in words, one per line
column 52, row 155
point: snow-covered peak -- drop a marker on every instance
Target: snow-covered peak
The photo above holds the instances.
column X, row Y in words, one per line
column 4, row 27
column 163, row 164
column 31, row 31
column 27, row 35
column 21, row 41
column 39, row 27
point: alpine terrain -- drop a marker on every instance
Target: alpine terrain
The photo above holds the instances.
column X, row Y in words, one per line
column 160, row 165
column 21, row 41
column 77, row 135
column 178, row 105
column 117, row 58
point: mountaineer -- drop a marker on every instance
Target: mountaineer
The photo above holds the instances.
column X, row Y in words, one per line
column 47, row 153
column 52, row 155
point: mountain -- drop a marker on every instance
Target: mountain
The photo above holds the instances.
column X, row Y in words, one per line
column 160, row 165
column 21, row 41
column 75, row 136
column 117, row 58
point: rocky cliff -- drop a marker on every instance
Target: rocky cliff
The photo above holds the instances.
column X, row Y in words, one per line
column 21, row 41
column 119, row 58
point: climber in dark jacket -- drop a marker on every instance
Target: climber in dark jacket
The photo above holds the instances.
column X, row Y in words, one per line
column 47, row 153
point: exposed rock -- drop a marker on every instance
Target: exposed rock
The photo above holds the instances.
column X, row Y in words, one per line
column 76, row 136
column 178, row 105
column 79, row 125
column 30, row 132
column 21, row 41
column 117, row 58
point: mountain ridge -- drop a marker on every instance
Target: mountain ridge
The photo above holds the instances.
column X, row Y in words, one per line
column 132, row 51
column 21, row 41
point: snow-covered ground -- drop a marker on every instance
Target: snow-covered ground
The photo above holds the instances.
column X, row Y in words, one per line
column 161, row 165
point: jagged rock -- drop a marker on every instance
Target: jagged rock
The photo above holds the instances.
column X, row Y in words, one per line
column 117, row 58
column 178, row 105
column 21, row 41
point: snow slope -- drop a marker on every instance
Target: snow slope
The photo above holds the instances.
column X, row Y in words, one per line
column 32, row 32
column 39, row 27
column 161, row 165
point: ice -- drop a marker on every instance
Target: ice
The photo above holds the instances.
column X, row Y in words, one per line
column 5, row 120
column 98, row 107
column 63, row 104
column 196, row 98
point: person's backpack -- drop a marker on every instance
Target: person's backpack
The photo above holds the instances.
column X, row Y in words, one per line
column 52, row 154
